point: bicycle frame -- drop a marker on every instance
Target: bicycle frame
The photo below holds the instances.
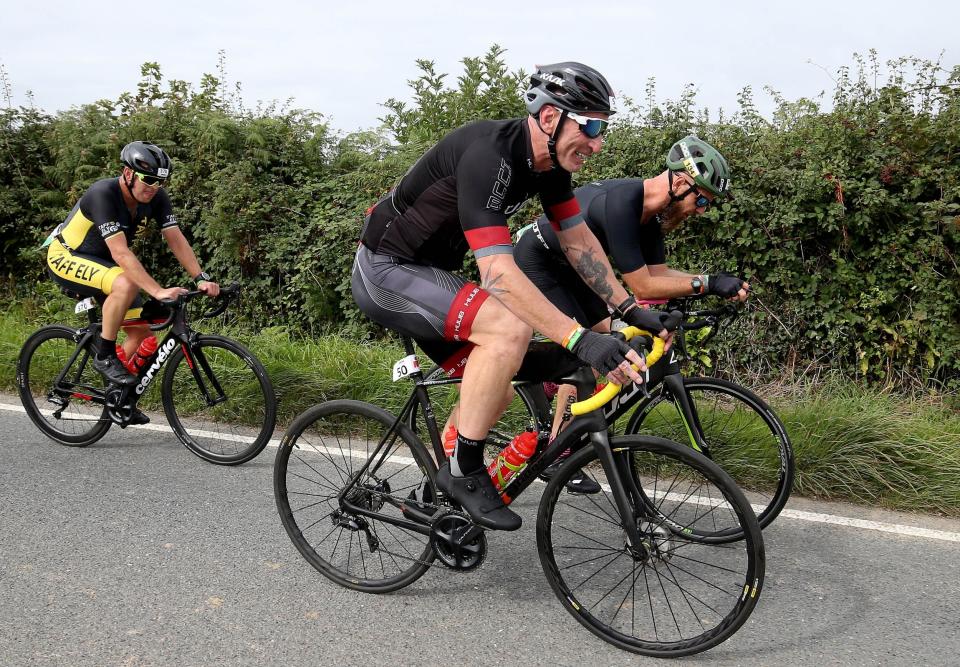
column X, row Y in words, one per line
column 593, row 426
column 179, row 333
column 668, row 372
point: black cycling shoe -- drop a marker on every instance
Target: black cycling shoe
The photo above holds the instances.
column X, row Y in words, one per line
column 113, row 370
column 479, row 497
column 138, row 418
column 579, row 483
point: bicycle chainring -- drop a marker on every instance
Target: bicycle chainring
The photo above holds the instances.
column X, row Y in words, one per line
column 118, row 404
column 457, row 541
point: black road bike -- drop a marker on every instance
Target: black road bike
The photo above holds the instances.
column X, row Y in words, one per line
column 666, row 561
column 726, row 422
column 216, row 394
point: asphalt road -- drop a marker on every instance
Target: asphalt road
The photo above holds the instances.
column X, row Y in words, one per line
column 135, row 552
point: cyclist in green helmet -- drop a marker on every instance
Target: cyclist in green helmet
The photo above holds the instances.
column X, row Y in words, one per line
column 629, row 217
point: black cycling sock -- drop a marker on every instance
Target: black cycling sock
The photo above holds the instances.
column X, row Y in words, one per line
column 467, row 457
column 107, row 348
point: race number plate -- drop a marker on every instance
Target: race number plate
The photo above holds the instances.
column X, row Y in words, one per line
column 85, row 305
column 405, row 367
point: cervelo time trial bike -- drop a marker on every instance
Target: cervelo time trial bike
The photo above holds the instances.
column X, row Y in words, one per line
column 216, row 394
column 723, row 420
column 666, row 561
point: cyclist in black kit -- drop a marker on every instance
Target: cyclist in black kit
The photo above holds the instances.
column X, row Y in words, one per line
column 629, row 217
column 89, row 252
column 456, row 198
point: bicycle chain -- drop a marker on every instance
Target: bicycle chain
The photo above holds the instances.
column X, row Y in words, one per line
column 436, row 508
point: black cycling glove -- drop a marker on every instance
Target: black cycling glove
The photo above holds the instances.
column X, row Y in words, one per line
column 652, row 320
column 604, row 353
column 724, row 284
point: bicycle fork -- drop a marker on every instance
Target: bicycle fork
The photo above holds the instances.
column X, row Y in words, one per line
column 616, row 467
column 687, row 411
column 197, row 361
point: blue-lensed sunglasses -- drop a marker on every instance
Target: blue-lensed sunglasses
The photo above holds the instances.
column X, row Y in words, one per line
column 592, row 127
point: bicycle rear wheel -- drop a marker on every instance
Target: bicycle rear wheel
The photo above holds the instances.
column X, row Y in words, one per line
column 743, row 434
column 223, row 408
column 70, row 411
column 323, row 456
column 675, row 596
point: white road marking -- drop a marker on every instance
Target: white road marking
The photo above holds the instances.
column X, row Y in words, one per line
column 799, row 515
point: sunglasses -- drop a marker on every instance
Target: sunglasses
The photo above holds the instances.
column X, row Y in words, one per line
column 701, row 201
column 592, row 127
column 151, row 181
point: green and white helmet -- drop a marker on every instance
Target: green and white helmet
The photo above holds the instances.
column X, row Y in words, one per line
column 702, row 162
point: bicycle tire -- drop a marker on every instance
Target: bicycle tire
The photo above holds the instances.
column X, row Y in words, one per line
column 236, row 428
column 693, row 594
column 745, row 437
column 323, row 451
column 82, row 420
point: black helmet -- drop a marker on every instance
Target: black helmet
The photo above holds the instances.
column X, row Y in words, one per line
column 569, row 86
column 146, row 158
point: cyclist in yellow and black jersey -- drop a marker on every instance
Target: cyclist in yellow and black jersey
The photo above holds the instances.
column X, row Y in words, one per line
column 89, row 252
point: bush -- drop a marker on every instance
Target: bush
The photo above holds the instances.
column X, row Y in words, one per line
column 846, row 220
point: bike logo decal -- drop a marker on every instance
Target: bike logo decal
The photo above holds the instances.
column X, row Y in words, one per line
column 162, row 355
column 622, row 398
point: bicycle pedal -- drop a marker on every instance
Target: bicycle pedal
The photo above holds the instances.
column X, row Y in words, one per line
column 59, row 401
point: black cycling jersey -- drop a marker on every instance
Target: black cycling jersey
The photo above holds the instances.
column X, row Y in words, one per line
column 613, row 211
column 459, row 194
column 102, row 213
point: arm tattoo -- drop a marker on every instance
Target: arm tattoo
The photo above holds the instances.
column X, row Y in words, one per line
column 594, row 273
column 489, row 283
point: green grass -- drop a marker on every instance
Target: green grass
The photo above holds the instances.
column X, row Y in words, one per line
column 850, row 443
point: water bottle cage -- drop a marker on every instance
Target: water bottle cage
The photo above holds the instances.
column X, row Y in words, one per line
column 502, row 462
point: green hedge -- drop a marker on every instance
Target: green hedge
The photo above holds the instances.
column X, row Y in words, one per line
column 846, row 217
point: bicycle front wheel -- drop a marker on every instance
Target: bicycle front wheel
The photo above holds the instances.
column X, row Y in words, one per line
column 671, row 595
column 743, row 435
column 59, row 388
column 324, row 471
column 220, row 403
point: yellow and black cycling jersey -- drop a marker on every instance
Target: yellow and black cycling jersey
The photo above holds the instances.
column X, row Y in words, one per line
column 102, row 213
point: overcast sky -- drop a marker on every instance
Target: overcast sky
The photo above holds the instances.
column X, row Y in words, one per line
column 344, row 59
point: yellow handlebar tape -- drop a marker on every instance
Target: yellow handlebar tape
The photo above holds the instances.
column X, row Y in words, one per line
column 602, row 397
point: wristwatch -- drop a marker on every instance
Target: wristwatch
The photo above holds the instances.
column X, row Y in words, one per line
column 203, row 276
column 697, row 285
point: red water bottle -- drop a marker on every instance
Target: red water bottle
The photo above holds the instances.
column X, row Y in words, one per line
column 449, row 440
column 122, row 356
column 512, row 459
column 148, row 347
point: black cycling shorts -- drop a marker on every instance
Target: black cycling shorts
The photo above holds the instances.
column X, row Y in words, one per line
column 436, row 308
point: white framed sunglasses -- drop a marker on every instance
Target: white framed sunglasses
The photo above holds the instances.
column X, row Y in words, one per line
column 592, row 127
